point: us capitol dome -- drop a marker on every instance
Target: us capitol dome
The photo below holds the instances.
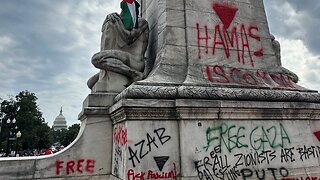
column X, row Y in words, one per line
column 60, row 122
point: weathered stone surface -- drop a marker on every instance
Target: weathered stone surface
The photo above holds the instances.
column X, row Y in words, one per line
column 237, row 128
column 139, row 90
column 219, row 138
column 185, row 138
column 212, row 107
column 222, row 46
column 121, row 58
column 88, row 157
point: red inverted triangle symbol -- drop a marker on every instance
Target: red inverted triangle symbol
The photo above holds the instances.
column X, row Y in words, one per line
column 226, row 13
column 317, row 134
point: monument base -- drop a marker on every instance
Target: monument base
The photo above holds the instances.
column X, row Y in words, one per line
column 87, row 157
column 184, row 139
column 184, row 91
column 212, row 139
column 110, row 82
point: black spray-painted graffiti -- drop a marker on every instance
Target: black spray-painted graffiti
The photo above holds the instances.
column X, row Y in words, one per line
column 245, row 165
column 218, row 166
column 220, row 169
column 306, row 153
column 258, row 138
column 140, row 149
column 261, row 174
column 161, row 161
column 238, row 152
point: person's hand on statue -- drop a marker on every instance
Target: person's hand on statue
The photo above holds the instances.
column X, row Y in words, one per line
column 114, row 17
column 135, row 33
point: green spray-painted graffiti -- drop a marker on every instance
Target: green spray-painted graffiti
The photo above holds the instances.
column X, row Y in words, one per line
column 257, row 138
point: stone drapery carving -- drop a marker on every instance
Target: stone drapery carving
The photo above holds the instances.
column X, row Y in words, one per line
column 122, row 49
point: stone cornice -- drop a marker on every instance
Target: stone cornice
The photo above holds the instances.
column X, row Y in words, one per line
column 216, row 93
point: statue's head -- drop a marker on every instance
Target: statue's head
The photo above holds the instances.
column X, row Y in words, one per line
column 272, row 37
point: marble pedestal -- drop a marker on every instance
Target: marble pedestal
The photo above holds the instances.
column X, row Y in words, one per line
column 212, row 139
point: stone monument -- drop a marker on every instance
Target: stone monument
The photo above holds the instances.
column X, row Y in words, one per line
column 122, row 54
column 217, row 103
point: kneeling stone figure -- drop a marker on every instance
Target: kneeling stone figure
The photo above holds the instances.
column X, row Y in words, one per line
column 124, row 41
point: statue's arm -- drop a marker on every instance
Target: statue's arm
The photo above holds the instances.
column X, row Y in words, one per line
column 113, row 17
column 143, row 25
column 134, row 34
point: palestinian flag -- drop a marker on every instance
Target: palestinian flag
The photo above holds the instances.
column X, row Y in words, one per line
column 129, row 13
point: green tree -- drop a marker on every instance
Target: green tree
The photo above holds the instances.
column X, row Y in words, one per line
column 72, row 132
column 35, row 131
column 9, row 110
column 59, row 136
column 66, row 136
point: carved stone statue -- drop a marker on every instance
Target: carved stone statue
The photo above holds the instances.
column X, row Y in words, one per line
column 124, row 41
column 277, row 50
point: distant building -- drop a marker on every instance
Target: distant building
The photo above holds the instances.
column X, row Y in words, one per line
column 60, row 122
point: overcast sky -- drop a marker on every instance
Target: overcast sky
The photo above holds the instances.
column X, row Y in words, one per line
column 46, row 47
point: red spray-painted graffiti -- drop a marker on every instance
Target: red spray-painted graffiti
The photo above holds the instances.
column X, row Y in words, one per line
column 317, row 134
column 220, row 74
column 120, row 136
column 75, row 167
column 226, row 13
column 226, row 38
column 132, row 175
column 302, row 178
